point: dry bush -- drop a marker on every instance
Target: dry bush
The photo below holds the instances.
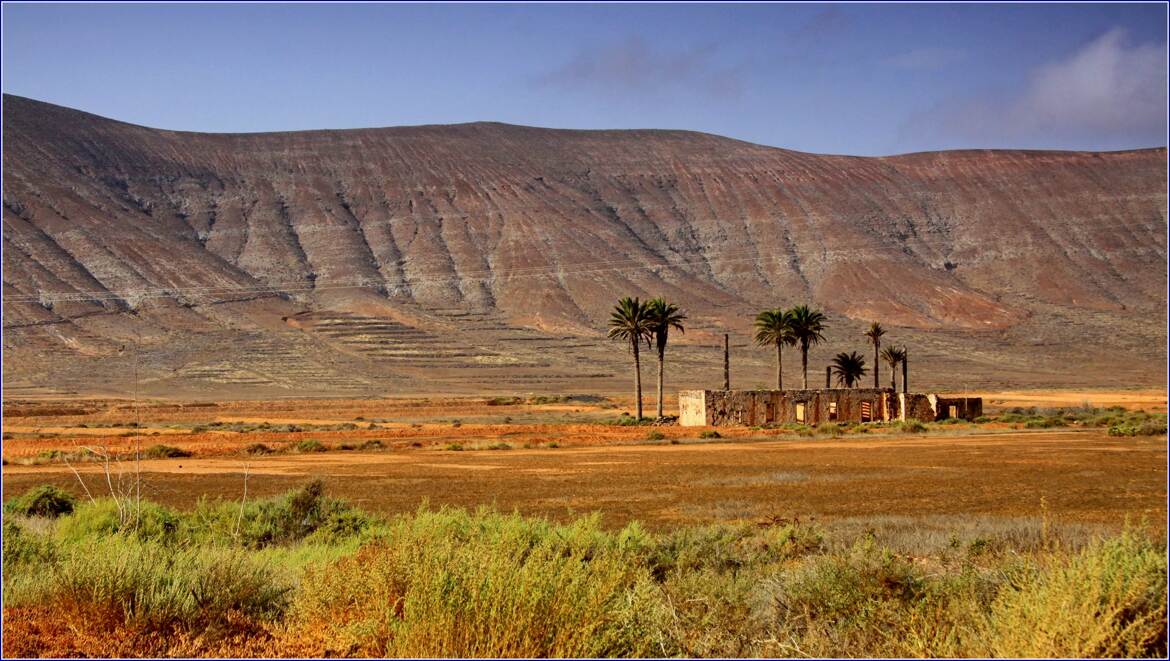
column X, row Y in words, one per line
column 1109, row 600
column 451, row 583
column 303, row 575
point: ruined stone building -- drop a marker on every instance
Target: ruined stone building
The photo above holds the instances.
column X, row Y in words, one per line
column 812, row 407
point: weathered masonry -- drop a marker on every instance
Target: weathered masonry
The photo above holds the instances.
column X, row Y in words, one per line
column 698, row 408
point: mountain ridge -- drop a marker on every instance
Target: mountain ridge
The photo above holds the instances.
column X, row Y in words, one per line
column 539, row 230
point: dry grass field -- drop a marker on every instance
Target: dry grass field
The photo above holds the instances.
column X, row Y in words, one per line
column 563, row 457
column 543, row 527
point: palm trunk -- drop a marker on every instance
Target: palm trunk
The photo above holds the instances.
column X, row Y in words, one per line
column 894, row 377
column 779, row 367
column 637, row 378
column 661, row 362
column 876, row 346
column 804, row 364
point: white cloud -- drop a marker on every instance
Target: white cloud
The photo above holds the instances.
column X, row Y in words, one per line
column 1105, row 85
column 1108, row 94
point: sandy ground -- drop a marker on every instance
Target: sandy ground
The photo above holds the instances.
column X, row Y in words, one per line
column 1147, row 400
column 964, row 470
column 1076, row 476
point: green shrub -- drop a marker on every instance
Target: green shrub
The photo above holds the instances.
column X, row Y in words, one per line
column 288, row 518
column 911, row 427
column 45, row 500
column 1107, row 601
column 24, row 548
column 164, row 452
column 454, row 447
column 453, row 584
column 982, row 420
column 1044, row 422
column 627, row 420
column 106, row 517
column 310, row 445
column 710, row 433
column 829, row 429
column 1148, row 427
column 655, row 436
column 162, row 589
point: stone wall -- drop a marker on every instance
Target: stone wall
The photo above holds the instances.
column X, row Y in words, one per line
column 965, row 408
column 699, row 408
column 916, row 406
column 763, row 407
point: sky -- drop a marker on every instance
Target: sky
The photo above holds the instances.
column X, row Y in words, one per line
column 849, row 79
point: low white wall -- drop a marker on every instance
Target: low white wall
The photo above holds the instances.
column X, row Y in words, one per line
column 692, row 408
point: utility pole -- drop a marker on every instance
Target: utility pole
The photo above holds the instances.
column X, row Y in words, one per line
column 726, row 362
column 828, row 376
column 905, row 372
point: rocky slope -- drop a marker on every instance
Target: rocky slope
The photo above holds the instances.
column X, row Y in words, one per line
column 487, row 255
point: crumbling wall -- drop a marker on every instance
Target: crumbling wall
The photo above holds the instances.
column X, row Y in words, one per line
column 916, row 406
column 764, row 407
column 769, row 407
column 964, row 408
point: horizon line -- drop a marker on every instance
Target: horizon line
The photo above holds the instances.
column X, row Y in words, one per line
column 489, row 122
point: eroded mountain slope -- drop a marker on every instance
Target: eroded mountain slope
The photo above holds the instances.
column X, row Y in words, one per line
column 218, row 254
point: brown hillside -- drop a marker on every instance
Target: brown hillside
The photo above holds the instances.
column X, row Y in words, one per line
column 485, row 256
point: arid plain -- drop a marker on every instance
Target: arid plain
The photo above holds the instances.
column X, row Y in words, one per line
column 567, row 457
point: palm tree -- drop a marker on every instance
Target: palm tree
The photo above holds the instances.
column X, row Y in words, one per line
column 875, row 334
column 628, row 322
column 807, row 325
column 893, row 356
column 849, row 368
column 774, row 327
column 663, row 316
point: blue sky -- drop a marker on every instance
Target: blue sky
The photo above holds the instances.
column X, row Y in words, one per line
column 855, row 79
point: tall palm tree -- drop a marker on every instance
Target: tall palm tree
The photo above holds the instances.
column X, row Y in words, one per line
column 774, row 327
column 875, row 334
column 628, row 322
column 807, row 325
column 663, row 316
column 893, row 357
column 849, row 368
